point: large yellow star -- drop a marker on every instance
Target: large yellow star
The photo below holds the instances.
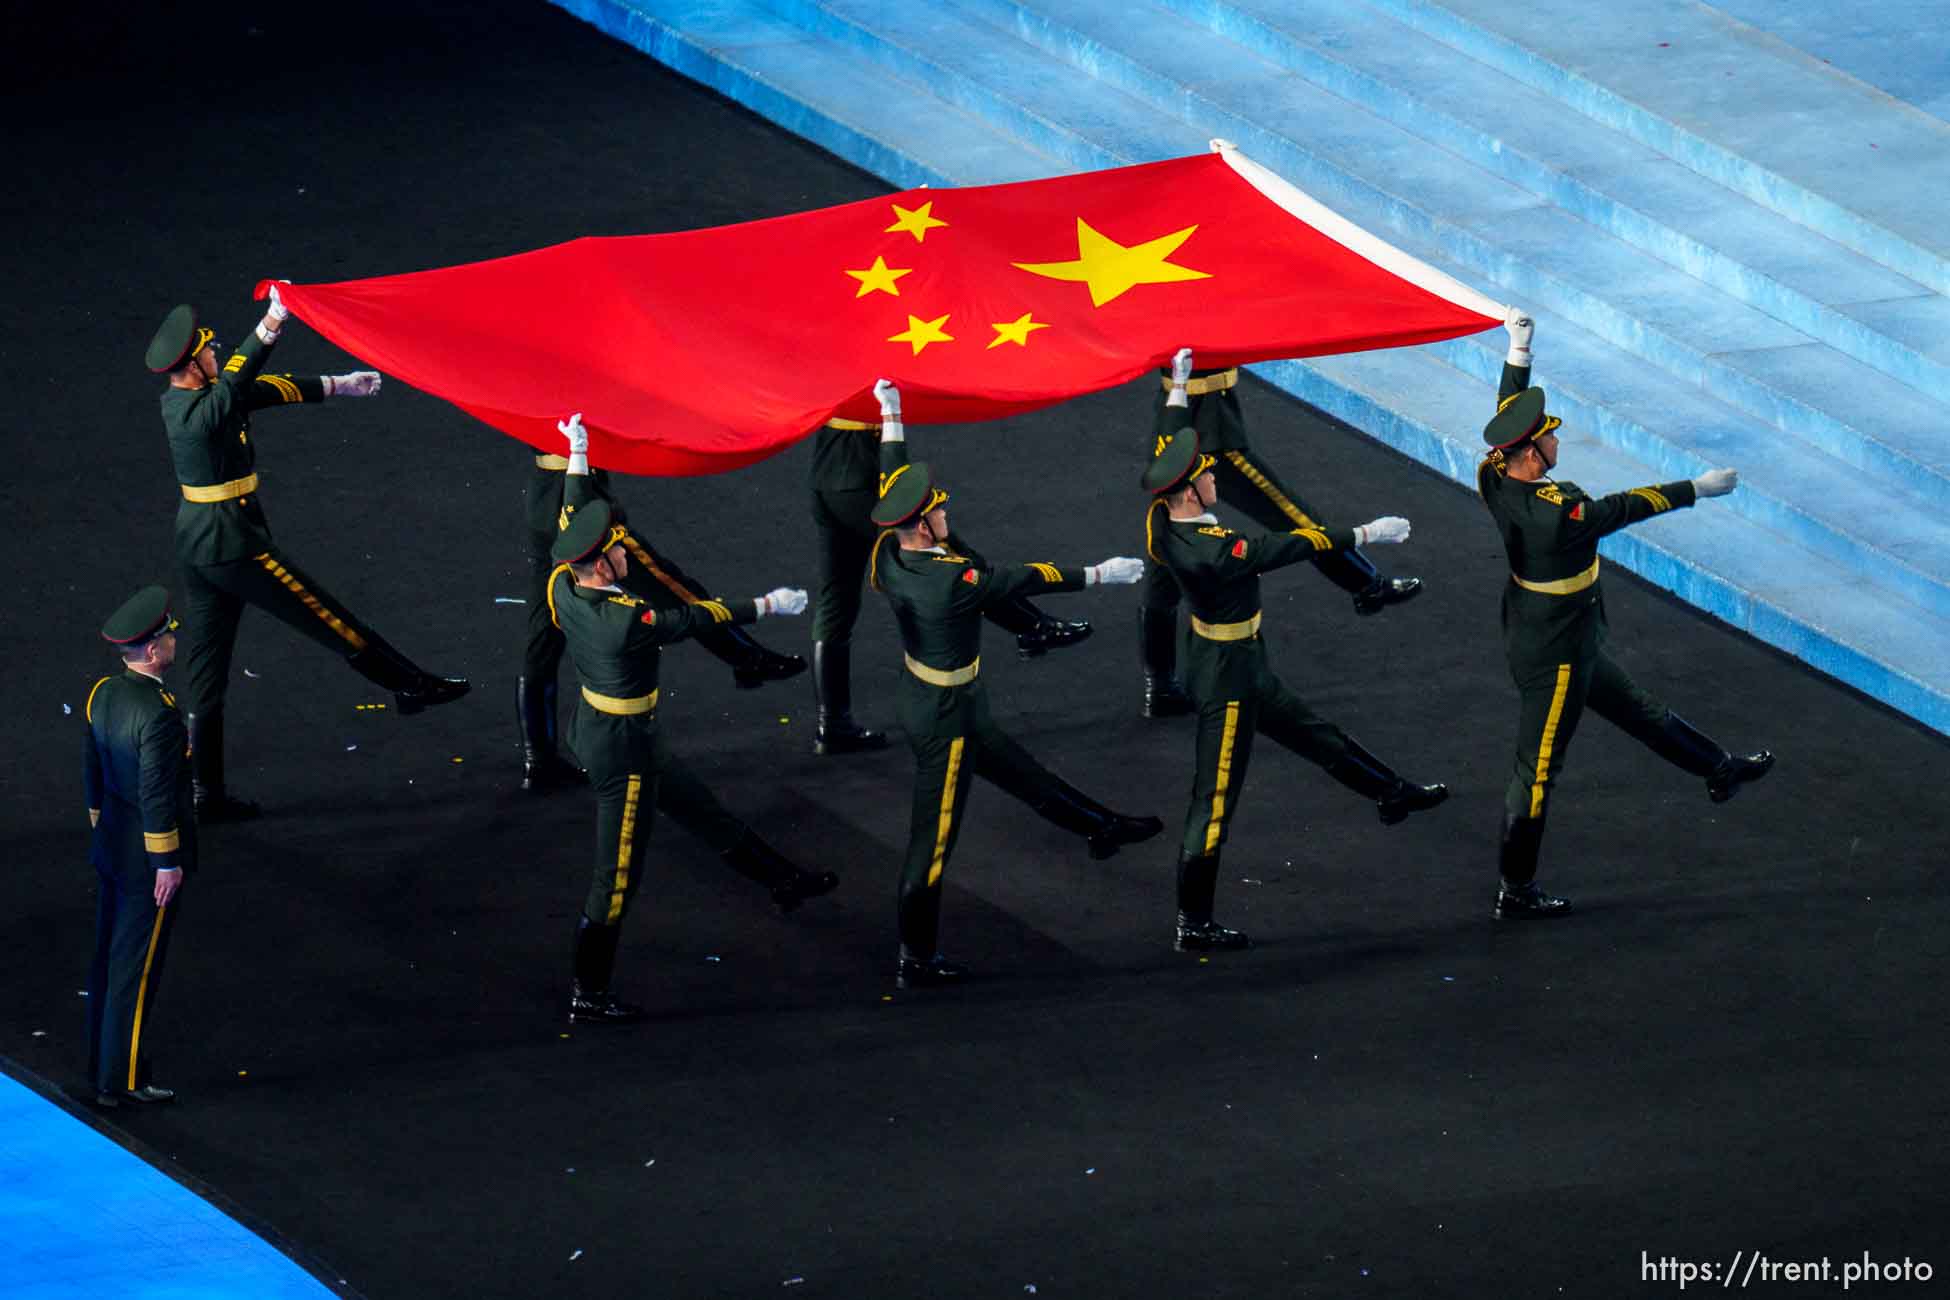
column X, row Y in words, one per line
column 915, row 221
column 1111, row 269
column 879, row 278
column 919, row 333
column 1016, row 331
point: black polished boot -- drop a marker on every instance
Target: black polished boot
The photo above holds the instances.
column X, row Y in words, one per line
column 917, row 973
column 1394, row 798
column 754, row 859
column 1036, row 633
column 832, row 674
column 1354, row 573
column 1164, row 694
column 590, row 1001
column 214, row 804
column 413, row 688
column 1104, row 831
column 1680, row 743
column 1518, row 896
column 542, row 766
column 752, row 664
column 1198, row 881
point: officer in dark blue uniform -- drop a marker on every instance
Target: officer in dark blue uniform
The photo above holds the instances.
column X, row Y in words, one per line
column 136, row 778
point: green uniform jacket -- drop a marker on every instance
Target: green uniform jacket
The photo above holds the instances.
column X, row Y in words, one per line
column 1220, row 423
column 845, row 458
column 1219, row 570
column 1550, row 533
column 938, row 599
column 209, row 441
column 135, row 777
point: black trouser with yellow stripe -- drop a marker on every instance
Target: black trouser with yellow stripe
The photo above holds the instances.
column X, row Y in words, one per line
column 1249, row 485
column 955, row 739
column 131, row 941
column 1554, row 697
column 214, row 597
column 1226, row 728
column 625, row 757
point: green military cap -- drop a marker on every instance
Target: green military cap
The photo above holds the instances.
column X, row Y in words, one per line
column 141, row 617
column 908, row 493
column 177, row 341
column 1178, row 462
column 1520, row 417
column 588, row 530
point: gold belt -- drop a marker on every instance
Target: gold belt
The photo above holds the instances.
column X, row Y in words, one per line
column 837, row 423
column 935, row 677
column 1209, row 384
column 620, row 706
column 545, row 461
column 237, row 487
column 1563, row 586
column 1227, row 631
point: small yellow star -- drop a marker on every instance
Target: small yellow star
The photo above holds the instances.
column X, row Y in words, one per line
column 879, row 278
column 915, row 221
column 1015, row 331
column 1111, row 269
column 919, row 333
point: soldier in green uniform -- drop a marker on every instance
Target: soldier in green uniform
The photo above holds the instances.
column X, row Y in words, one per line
column 1231, row 683
column 1250, row 486
column 143, row 838
column 939, row 598
column 654, row 578
column 616, row 642
column 224, row 544
column 849, row 458
column 649, row 577
column 1554, row 626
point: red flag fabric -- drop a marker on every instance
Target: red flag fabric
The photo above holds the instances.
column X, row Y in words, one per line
column 705, row 350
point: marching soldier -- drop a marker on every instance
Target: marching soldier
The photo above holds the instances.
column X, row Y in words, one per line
column 939, row 598
column 1232, row 686
column 661, row 585
column 142, row 840
column 224, row 544
column 1554, row 626
column 652, row 577
column 616, row 641
column 1250, row 486
column 847, row 456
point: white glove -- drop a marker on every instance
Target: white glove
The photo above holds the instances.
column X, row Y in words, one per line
column 1118, row 571
column 1181, row 367
column 360, row 383
column 277, row 310
column 1388, row 528
column 1521, row 327
column 889, row 398
column 782, row 600
column 578, row 436
column 1716, row 482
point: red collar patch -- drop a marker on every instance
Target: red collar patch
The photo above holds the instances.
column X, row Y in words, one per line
column 1239, row 549
column 970, row 577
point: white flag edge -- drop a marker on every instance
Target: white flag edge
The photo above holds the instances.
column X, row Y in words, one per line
column 1304, row 207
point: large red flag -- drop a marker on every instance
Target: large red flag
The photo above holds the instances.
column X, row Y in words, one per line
column 702, row 351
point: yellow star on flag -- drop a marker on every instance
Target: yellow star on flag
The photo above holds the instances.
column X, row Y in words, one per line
column 1111, row 269
column 919, row 333
column 879, row 278
column 1016, row 331
column 915, row 221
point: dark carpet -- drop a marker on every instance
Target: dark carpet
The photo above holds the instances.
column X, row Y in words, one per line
column 1737, row 1046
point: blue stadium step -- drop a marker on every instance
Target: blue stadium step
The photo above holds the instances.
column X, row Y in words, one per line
column 1734, row 103
column 837, row 99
